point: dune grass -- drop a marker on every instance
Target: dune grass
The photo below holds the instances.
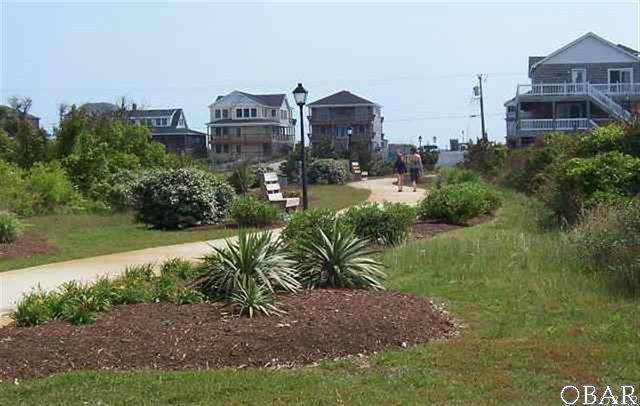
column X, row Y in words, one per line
column 533, row 320
column 87, row 235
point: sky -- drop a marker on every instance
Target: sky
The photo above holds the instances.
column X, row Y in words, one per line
column 418, row 60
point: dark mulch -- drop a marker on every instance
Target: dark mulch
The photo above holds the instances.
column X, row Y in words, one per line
column 319, row 324
column 29, row 245
column 429, row 229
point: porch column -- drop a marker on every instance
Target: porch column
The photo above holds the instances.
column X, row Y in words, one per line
column 553, row 113
column 588, row 110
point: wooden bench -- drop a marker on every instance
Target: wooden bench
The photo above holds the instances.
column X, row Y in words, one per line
column 274, row 193
column 355, row 169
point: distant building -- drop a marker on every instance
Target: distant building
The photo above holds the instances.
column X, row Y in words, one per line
column 332, row 116
column 393, row 149
column 13, row 113
column 169, row 127
column 587, row 83
column 246, row 126
column 454, row 144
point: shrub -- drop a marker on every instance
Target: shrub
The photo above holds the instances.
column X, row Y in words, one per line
column 248, row 272
column 247, row 211
column 380, row 167
column 608, row 238
column 50, row 189
column 14, row 196
column 388, row 223
column 453, row 176
column 179, row 198
column 458, row 203
column 486, row 158
column 302, row 224
column 339, row 259
column 327, row 171
column 10, row 227
column 242, row 178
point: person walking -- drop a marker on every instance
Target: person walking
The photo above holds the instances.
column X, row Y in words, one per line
column 400, row 168
column 414, row 162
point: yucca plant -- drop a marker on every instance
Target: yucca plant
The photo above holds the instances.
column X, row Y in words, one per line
column 251, row 269
column 339, row 259
column 252, row 298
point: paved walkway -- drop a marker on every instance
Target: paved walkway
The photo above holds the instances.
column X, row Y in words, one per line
column 13, row 284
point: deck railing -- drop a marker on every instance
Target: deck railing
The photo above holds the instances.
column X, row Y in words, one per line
column 570, row 89
column 550, row 124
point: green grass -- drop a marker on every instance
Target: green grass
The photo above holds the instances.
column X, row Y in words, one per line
column 87, row 235
column 534, row 322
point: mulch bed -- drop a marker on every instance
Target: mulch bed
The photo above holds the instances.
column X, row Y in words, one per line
column 429, row 229
column 29, row 245
column 319, row 324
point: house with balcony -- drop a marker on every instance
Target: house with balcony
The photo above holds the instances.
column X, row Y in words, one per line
column 246, row 126
column 344, row 117
column 168, row 127
column 587, row 83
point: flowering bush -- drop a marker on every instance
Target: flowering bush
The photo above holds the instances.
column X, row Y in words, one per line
column 178, row 198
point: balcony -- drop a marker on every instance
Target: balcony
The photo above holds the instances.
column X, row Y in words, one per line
column 578, row 89
column 559, row 124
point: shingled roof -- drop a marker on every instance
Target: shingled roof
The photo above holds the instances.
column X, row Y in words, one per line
column 342, row 98
column 272, row 100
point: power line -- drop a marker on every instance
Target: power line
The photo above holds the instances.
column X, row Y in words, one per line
column 439, row 117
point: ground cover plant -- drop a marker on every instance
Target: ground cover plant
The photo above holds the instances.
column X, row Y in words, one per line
column 82, row 303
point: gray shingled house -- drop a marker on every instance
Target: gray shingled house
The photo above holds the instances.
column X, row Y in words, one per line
column 586, row 83
column 331, row 117
column 169, row 127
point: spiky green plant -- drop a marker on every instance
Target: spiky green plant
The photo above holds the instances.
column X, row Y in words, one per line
column 252, row 256
column 339, row 259
column 251, row 298
column 241, row 268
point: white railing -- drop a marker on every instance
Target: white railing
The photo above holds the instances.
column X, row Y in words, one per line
column 568, row 89
column 614, row 107
column 549, row 124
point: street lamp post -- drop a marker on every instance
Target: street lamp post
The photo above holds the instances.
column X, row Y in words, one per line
column 349, row 134
column 420, row 142
column 300, row 96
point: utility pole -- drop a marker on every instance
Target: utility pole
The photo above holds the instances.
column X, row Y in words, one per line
column 484, row 133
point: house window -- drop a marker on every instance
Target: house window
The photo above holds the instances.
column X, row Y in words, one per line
column 361, row 129
column 225, row 148
column 246, row 113
column 238, row 149
column 238, row 132
column 265, row 112
column 322, row 130
column 254, row 112
column 218, row 114
column 511, row 109
column 218, row 131
column 225, row 131
column 225, row 113
column 218, row 149
column 273, row 112
column 164, row 121
column 158, row 122
column 239, row 113
column 621, row 75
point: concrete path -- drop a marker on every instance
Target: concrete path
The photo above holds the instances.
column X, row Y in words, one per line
column 13, row 284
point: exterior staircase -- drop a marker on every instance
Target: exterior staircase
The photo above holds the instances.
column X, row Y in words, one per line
column 607, row 103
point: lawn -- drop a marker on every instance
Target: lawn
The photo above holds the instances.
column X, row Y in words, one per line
column 534, row 321
column 81, row 236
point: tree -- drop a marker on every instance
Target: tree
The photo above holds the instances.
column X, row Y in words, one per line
column 30, row 145
column 21, row 105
